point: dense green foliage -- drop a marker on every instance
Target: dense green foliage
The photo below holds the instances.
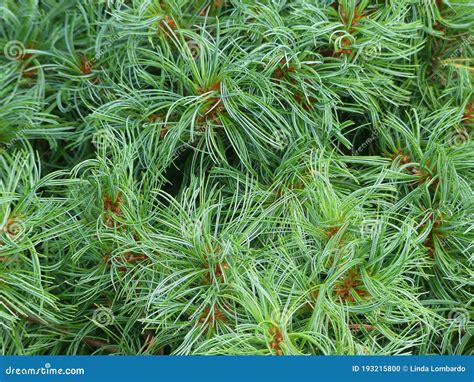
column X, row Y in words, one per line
column 236, row 177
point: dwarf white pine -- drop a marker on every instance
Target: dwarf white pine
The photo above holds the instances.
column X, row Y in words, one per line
column 263, row 177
